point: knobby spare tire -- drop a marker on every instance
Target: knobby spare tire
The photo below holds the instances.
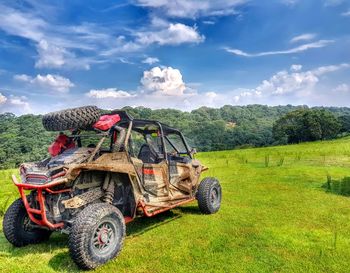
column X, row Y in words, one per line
column 74, row 118
column 209, row 195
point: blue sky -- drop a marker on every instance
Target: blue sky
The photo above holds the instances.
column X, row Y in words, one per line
column 179, row 54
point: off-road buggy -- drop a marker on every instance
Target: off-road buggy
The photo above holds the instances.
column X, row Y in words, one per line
column 109, row 170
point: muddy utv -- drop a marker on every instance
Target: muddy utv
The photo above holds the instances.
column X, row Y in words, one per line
column 106, row 171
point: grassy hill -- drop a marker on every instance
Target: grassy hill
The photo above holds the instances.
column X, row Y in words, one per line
column 275, row 217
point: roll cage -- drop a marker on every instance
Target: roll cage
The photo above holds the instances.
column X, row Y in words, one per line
column 144, row 127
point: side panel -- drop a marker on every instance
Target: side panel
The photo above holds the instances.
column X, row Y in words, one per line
column 184, row 176
column 155, row 179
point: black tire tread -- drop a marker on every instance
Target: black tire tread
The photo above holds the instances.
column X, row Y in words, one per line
column 86, row 219
column 74, row 118
column 12, row 230
column 203, row 195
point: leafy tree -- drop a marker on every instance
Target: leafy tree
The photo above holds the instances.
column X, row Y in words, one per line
column 345, row 123
column 306, row 125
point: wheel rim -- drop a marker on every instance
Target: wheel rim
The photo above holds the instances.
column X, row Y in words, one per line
column 215, row 197
column 104, row 238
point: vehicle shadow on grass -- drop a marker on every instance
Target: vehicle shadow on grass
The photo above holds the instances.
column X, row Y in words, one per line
column 58, row 242
column 193, row 209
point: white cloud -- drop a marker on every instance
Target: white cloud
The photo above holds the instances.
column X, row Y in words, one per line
column 208, row 22
column 284, row 82
column 52, row 82
column 19, row 101
column 18, row 104
column 3, row 99
column 22, row 77
column 301, row 48
column 342, row 88
column 211, row 95
column 159, row 32
column 109, row 93
column 296, row 67
column 52, row 56
column 173, row 34
column 167, row 81
column 150, row 60
column 294, row 83
column 330, row 68
column 192, row 8
column 303, row 37
column 347, row 13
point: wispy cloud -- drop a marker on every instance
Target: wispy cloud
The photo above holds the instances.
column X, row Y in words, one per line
column 67, row 46
column 298, row 49
column 333, row 3
column 150, row 60
column 342, row 88
column 192, row 8
column 303, row 37
column 290, row 2
column 346, row 13
column 208, row 22
column 173, row 34
column 159, row 32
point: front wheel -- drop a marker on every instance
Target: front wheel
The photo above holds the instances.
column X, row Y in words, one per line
column 19, row 230
column 209, row 195
column 97, row 235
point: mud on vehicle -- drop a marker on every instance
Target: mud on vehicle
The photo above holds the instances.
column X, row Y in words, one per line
column 109, row 170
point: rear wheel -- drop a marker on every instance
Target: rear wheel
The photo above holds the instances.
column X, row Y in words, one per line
column 75, row 118
column 97, row 235
column 19, row 230
column 209, row 195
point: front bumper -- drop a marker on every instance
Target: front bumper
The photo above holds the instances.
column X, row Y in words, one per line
column 38, row 216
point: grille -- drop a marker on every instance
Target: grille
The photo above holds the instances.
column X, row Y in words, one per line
column 36, row 179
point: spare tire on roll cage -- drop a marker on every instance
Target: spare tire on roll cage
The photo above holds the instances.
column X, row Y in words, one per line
column 74, row 118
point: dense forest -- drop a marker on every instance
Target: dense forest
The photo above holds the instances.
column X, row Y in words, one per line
column 23, row 138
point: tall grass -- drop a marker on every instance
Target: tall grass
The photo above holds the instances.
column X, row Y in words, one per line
column 341, row 187
column 280, row 161
column 267, row 160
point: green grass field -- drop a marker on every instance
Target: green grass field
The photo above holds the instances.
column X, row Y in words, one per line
column 275, row 217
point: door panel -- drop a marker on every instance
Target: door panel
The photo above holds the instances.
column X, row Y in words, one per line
column 180, row 176
column 155, row 179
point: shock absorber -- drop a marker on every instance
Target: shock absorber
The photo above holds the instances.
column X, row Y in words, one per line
column 108, row 187
column 109, row 194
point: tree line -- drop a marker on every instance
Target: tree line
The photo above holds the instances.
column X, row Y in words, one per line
column 23, row 138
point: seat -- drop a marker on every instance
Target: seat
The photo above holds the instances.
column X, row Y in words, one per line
column 147, row 154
